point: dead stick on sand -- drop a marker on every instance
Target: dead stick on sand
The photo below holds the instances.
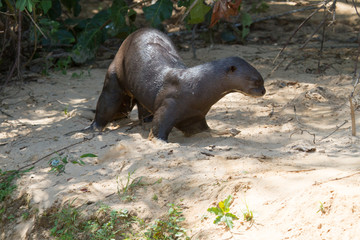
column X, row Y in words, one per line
column 48, row 155
column 352, row 109
column 337, row 128
column 302, row 130
column 336, row 179
column 352, row 114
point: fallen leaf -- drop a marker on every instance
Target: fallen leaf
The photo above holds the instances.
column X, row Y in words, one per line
column 224, row 9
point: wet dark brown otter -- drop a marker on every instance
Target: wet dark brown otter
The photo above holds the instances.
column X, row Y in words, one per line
column 148, row 72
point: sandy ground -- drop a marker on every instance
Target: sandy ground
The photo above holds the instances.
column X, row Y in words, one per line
column 280, row 162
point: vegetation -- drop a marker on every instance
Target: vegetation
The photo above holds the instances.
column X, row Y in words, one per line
column 6, row 182
column 168, row 228
column 49, row 25
column 248, row 214
column 321, row 208
column 125, row 191
column 71, row 223
column 59, row 162
column 223, row 214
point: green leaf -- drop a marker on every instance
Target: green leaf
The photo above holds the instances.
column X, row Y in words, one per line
column 118, row 11
column 227, row 203
column 55, row 11
column 73, row 6
column 228, row 221
column 20, row 4
column 233, row 216
column 217, row 219
column 132, row 15
column 197, row 14
column 64, row 36
column 246, row 22
column 30, row 5
column 90, row 38
column 215, row 210
column 1, row 4
column 45, row 5
column 88, row 155
column 158, row 12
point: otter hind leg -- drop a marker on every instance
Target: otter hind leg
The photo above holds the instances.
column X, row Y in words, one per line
column 113, row 103
column 193, row 126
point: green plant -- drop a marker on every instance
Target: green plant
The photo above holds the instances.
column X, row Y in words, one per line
column 168, row 228
column 63, row 64
column 58, row 162
column 222, row 211
column 6, row 181
column 77, row 75
column 26, row 215
column 66, row 110
column 321, row 208
column 125, row 190
column 248, row 214
column 155, row 197
column 158, row 12
column 66, row 222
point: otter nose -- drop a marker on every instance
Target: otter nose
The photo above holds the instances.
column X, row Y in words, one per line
column 263, row 91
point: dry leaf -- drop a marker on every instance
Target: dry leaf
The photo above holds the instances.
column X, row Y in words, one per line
column 224, row 9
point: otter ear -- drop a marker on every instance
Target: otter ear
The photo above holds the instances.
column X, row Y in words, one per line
column 232, row 69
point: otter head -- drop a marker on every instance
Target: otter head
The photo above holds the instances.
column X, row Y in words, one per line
column 244, row 78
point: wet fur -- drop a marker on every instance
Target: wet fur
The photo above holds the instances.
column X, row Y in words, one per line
column 148, row 72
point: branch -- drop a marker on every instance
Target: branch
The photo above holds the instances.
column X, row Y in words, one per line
column 280, row 15
column 61, row 149
column 42, row 33
column 189, row 10
column 296, row 30
column 337, row 128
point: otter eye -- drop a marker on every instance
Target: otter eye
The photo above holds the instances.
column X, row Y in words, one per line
column 232, row 69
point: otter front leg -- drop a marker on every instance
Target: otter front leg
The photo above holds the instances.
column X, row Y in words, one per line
column 165, row 118
column 113, row 103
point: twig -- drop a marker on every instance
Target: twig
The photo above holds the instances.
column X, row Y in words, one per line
column 352, row 115
column 322, row 40
column 193, row 48
column 19, row 47
column 275, row 68
column 37, row 26
column 315, row 31
column 61, row 149
column 208, row 154
column 189, row 10
column 337, row 128
column 358, row 54
column 35, row 36
column 352, row 109
column 4, row 37
column 354, row 4
column 336, row 179
column 254, row 21
column 302, row 130
column 6, row 114
column 18, row 55
column 296, row 30
column 8, row 14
